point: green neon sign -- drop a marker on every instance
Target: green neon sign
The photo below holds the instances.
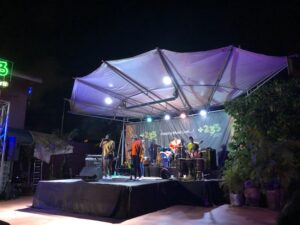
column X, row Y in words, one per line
column 5, row 68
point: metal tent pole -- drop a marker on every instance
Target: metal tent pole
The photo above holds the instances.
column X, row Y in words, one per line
column 123, row 144
column 62, row 119
column 5, row 106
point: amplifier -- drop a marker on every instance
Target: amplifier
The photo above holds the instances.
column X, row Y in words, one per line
column 209, row 155
column 93, row 161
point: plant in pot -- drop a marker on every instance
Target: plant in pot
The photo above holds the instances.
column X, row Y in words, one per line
column 236, row 171
column 278, row 165
column 233, row 183
column 269, row 121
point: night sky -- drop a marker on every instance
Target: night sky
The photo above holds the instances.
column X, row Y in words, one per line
column 61, row 39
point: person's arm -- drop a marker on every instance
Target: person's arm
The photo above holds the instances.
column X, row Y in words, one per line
column 142, row 152
column 101, row 143
column 113, row 147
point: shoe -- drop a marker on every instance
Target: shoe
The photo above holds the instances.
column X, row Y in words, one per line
column 109, row 178
column 104, row 178
column 139, row 178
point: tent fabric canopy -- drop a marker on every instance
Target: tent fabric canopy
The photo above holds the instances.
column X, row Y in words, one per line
column 199, row 80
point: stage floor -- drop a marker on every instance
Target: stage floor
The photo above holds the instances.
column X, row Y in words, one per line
column 123, row 198
column 18, row 212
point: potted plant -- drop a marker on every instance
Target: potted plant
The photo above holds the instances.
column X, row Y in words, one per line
column 234, row 174
column 278, row 166
column 268, row 122
column 233, row 184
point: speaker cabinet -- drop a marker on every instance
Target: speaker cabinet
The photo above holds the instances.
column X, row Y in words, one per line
column 209, row 155
column 89, row 173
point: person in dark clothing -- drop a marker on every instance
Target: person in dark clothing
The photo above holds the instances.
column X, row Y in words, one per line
column 222, row 156
column 137, row 152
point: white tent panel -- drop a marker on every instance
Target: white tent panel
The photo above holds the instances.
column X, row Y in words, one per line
column 201, row 79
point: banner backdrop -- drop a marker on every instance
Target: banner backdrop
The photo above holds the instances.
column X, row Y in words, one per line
column 214, row 131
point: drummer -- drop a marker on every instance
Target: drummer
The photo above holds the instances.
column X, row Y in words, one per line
column 193, row 148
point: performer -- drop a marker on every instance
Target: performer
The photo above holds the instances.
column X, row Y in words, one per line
column 193, row 148
column 190, row 146
column 108, row 147
column 142, row 166
column 152, row 151
column 175, row 144
column 136, row 153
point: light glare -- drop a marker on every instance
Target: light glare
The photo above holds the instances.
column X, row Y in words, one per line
column 167, row 80
column 203, row 113
column 4, row 83
column 108, row 100
column 167, row 117
column 182, row 115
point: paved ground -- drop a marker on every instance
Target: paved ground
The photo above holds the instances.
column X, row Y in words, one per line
column 19, row 212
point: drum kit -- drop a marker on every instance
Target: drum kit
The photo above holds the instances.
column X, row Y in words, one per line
column 173, row 156
column 188, row 169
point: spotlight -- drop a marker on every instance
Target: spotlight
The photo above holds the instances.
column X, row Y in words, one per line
column 167, row 117
column 110, row 85
column 149, row 119
column 203, row 113
column 182, row 115
column 167, row 80
column 108, row 100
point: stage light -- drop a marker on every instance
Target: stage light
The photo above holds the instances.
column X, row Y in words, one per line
column 203, row 113
column 108, row 100
column 110, row 85
column 167, row 80
column 167, row 117
column 149, row 119
column 182, row 115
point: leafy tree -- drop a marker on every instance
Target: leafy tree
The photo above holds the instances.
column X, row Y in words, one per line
column 267, row 123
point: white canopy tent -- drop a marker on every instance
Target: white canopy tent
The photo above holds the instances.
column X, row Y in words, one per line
column 202, row 79
column 133, row 88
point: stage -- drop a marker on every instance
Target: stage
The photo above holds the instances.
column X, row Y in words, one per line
column 122, row 198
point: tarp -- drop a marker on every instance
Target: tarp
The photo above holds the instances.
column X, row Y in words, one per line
column 47, row 145
column 199, row 80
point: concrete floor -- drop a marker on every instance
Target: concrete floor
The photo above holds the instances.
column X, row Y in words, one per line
column 19, row 212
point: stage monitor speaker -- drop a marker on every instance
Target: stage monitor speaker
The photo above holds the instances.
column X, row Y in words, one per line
column 91, row 173
column 165, row 173
column 294, row 65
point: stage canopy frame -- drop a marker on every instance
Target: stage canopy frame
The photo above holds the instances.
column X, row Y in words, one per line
column 133, row 88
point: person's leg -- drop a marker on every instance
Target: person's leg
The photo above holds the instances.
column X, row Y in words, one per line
column 139, row 167
column 104, row 168
column 142, row 169
column 136, row 166
column 110, row 167
column 131, row 168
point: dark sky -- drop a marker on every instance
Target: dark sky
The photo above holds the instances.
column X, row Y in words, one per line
column 61, row 39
